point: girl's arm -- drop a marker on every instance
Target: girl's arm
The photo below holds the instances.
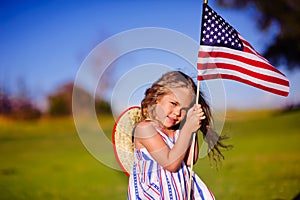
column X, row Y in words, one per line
column 147, row 136
column 188, row 159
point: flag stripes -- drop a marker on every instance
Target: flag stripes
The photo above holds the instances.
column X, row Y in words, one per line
column 223, row 53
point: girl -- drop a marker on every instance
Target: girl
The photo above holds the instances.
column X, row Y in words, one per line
column 162, row 141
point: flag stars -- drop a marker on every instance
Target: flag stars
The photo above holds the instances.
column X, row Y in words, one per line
column 217, row 32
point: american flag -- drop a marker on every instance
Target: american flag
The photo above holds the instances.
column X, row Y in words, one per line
column 225, row 54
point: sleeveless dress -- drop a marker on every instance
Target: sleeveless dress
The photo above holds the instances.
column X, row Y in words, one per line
column 149, row 180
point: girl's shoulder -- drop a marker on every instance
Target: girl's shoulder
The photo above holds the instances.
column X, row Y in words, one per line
column 146, row 127
column 144, row 133
column 145, row 124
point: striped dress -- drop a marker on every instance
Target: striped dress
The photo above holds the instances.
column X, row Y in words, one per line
column 148, row 180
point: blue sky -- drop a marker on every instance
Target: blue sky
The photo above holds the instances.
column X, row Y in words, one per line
column 44, row 43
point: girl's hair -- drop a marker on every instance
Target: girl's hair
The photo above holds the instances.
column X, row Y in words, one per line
column 177, row 79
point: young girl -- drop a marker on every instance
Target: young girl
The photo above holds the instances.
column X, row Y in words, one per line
column 162, row 141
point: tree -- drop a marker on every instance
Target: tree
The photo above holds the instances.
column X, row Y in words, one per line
column 286, row 46
column 5, row 104
column 24, row 109
column 60, row 102
column 19, row 106
column 102, row 107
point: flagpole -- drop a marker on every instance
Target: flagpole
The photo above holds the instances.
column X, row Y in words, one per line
column 194, row 137
column 193, row 147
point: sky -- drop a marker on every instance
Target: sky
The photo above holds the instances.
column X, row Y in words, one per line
column 44, row 43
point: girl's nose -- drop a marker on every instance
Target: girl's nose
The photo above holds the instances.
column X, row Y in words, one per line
column 177, row 110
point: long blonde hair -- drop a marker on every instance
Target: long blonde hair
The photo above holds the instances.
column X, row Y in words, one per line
column 177, row 79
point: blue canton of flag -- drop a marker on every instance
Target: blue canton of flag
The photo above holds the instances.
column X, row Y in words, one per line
column 217, row 32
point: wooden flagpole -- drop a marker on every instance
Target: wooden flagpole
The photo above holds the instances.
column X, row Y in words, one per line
column 194, row 138
column 193, row 148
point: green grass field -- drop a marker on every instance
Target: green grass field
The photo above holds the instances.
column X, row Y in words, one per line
column 45, row 159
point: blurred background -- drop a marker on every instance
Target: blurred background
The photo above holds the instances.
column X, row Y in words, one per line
column 43, row 45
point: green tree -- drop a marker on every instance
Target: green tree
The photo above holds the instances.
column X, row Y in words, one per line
column 286, row 13
column 60, row 102
column 102, row 107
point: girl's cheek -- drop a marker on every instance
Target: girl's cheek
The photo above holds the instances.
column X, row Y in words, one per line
column 159, row 110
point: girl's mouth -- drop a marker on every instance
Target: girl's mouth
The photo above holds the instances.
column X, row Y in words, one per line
column 172, row 120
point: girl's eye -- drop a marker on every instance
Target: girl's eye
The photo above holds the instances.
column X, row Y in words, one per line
column 173, row 103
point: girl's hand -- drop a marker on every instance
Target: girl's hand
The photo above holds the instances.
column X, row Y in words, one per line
column 194, row 116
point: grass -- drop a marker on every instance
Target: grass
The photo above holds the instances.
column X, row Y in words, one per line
column 265, row 161
column 45, row 159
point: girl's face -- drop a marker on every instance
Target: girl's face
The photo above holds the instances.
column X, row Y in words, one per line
column 171, row 109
